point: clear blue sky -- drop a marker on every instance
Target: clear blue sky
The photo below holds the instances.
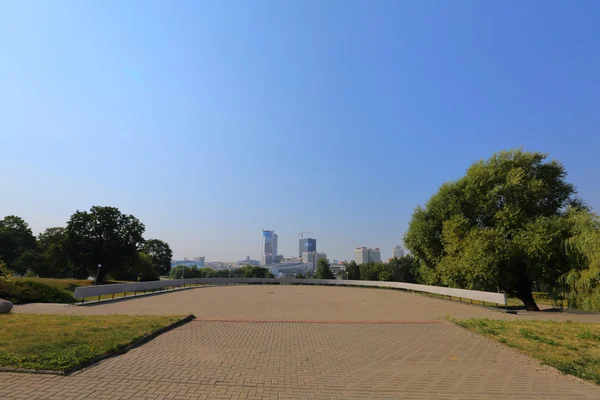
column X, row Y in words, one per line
column 211, row 120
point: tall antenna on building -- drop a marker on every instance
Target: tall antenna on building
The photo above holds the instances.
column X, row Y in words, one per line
column 302, row 234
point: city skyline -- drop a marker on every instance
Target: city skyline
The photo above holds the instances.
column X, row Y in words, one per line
column 207, row 121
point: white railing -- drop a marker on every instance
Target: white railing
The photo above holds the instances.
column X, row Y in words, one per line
column 142, row 287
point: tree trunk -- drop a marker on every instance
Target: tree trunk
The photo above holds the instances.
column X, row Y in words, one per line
column 524, row 294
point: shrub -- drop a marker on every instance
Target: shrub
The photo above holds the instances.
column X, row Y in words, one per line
column 24, row 291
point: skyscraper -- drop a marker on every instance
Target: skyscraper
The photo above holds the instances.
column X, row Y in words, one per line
column 268, row 248
column 398, row 252
column 307, row 245
column 375, row 255
column 363, row 255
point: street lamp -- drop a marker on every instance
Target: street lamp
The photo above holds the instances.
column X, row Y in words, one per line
column 97, row 273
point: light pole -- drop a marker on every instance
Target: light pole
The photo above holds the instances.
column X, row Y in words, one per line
column 97, row 273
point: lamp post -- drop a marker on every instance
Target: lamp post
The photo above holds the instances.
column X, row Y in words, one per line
column 97, row 273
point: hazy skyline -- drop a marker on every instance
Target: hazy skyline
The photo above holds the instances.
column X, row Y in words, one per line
column 211, row 120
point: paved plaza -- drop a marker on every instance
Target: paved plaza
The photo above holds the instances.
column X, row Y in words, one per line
column 304, row 342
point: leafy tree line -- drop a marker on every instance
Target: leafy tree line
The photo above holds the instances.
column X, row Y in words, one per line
column 512, row 221
column 247, row 271
column 103, row 236
column 403, row 269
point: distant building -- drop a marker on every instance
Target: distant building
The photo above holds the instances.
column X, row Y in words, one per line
column 308, row 257
column 364, row 255
column 216, row 264
column 248, row 261
column 269, row 247
column 336, row 268
column 375, row 255
column 361, row 255
column 306, row 245
column 200, row 261
column 398, row 252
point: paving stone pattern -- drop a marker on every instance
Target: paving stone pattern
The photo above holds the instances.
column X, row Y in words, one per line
column 357, row 359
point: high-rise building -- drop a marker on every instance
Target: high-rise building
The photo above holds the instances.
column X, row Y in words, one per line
column 363, row 255
column 375, row 255
column 307, row 245
column 269, row 247
column 398, row 252
column 309, row 257
column 200, row 261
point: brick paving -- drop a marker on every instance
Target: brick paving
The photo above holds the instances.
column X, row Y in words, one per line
column 287, row 302
column 351, row 344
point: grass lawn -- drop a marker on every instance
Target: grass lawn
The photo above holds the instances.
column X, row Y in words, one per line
column 571, row 347
column 61, row 342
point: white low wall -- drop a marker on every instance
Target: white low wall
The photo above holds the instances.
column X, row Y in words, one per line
column 93, row 291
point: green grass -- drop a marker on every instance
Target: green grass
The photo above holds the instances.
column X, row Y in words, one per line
column 571, row 347
column 61, row 342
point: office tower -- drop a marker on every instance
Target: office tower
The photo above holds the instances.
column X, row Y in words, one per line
column 309, row 257
column 306, row 245
column 375, row 255
column 398, row 252
column 363, row 255
column 268, row 247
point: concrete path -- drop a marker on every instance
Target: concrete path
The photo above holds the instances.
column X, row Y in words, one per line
column 305, row 343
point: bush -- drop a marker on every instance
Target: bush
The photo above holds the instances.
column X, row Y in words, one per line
column 23, row 292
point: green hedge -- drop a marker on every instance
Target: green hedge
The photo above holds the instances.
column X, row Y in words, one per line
column 23, row 292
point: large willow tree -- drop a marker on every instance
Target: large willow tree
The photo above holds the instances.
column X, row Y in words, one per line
column 501, row 226
column 582, row 283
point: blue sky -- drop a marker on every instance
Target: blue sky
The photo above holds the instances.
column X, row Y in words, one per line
column 211, row 120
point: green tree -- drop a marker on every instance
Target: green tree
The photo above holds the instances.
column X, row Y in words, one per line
column 499, row 226
column 250, row 271
column 369, row 271
column 352, row 270
column 4, row 271
column 324, row 270
column 582, row 282
column 15, row 238
column 161, row 255
column 406, row 269
column 104, row 236
column 143, row 268
column 186, row 272
column 52, row 244
column 30, row 262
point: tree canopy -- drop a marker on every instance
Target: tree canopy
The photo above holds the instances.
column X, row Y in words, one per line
column 582, row 282
column 104, row 236
column 15, row 238
column 161, row 255
column 324, row 270
column 502, row 226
